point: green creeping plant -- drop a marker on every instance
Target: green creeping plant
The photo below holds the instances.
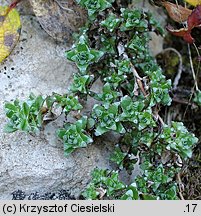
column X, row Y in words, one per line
column 113, row 49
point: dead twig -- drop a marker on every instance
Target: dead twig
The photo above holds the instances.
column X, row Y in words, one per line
column 181, row 186
column 62, row 7
column 139, row 80
column 192, row 68
column 194, row 75
column 185, row 102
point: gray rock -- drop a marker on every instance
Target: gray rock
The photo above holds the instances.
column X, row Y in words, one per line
column 37, row 163
column 60, row 19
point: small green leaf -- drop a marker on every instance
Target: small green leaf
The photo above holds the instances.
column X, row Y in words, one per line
column 24, row 125
column 149, row 197
column 25, row 109
column 11, row 107
column 9, row 128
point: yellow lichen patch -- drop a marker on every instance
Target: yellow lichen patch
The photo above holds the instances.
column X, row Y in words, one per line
column 194, row 2
column 9, row 31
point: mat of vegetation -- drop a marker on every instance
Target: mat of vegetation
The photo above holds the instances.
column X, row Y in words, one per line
column 155, row 123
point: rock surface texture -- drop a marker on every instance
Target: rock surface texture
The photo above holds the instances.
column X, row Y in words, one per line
column 34, row 166
column 37, row 163
column 60, row 19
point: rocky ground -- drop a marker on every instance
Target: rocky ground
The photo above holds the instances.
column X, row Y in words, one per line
column 34, row 167
column 37, row 163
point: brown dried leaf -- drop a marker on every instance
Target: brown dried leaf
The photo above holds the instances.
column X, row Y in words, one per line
column 177, row 12
column 183, row 32
column 194, row 20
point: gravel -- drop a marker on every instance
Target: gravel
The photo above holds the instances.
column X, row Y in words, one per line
column 59, row 195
